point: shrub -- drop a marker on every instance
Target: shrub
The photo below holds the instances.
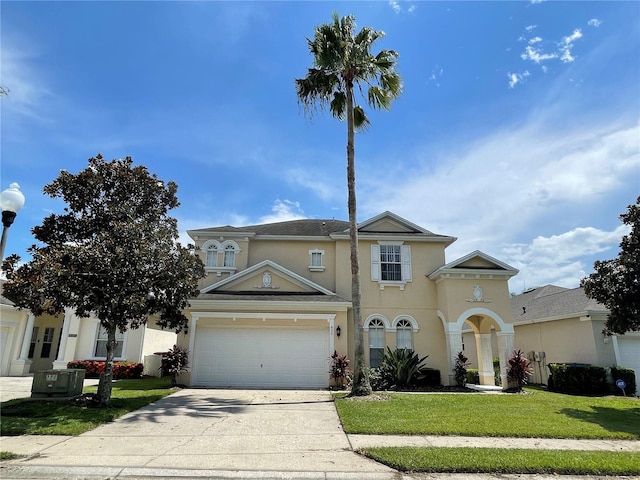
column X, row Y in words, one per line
column 629, row 377
column 496, row 371
column 174, row 362
column 429, row 377
column 375, row 379
column 121, row 370
column 401, row 368
column 473, row 376
column 460, row 369
column 518, row 369
column 578, row 379
column 339, row 369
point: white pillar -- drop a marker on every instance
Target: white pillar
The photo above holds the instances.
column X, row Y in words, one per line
column 506, row 341
column 22, row 364
column 485, row 359
column 60, row 362
column 192, row 343
column 454, row 346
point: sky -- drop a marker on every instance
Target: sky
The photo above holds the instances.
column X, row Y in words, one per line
column 518, row 129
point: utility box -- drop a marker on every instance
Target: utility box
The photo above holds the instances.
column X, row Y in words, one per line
column 57, row 383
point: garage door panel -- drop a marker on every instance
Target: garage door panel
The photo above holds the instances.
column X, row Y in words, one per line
column 268, row 357
column 629, row 349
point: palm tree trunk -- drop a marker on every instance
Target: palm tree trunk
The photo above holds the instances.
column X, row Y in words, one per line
column 106, row 377
column 361, row 384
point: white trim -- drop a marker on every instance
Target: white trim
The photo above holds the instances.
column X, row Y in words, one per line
column 409, row 318
column 387, row 325
column 504, row 327
column 316, row 268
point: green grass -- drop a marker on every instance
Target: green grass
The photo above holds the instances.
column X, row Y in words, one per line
column 541, row 414
column 506, row 461
column 9, row 456
column 41, row 417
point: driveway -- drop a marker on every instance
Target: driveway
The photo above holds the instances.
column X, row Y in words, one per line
column 214, row 429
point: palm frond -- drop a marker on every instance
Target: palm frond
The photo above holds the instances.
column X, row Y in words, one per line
column 338, row 105
column 360, row 120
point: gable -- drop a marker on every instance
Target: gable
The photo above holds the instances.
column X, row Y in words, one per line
column 267, row 277
column 388, row 222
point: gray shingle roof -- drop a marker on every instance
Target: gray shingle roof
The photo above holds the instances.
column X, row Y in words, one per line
column 305, row 227
column 552, row 301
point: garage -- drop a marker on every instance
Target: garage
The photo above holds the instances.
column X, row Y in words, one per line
column 261, row 357
column 629, row 354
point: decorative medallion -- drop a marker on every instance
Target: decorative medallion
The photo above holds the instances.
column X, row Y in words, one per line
column 478, row 295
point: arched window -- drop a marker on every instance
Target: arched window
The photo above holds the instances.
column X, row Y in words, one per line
column 376, row 342
column 212, row 255
column 229, row 256
column 404, row 334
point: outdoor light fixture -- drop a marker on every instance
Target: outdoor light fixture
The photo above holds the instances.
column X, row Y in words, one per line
column 338, row 331
column 11, row 201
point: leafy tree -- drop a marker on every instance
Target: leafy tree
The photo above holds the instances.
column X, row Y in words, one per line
column 342, row 63
column 616, row 283
column 113, row 253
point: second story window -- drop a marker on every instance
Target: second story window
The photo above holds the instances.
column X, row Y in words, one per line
column 316, row 260
column 391, row 264
column 220, row 256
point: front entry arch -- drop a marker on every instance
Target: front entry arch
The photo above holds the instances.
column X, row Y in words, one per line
column 481, row 320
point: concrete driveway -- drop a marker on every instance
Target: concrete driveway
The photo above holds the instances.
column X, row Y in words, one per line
column 213, row 429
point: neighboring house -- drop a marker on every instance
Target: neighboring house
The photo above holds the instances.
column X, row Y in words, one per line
column 276, row 301
column 562, row 325
column 29, row 343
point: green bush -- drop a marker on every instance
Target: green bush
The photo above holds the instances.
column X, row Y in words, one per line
column 174, row 362
column 460, row 369
column 629, row 377
column 339, row 369
column 473, row 376
column 519, row 369
column 121, row 370
column 578, row 379
column 429, row 377
column 496, row 371
column 401, row 368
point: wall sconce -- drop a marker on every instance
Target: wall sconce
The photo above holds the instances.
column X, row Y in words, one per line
column 338, row 331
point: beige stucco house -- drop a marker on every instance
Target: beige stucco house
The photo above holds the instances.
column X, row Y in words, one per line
column 29, row 344
column 276, row 301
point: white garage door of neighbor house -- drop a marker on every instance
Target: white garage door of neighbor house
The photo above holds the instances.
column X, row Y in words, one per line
column 264, row 357
column 4, row 336
column 630, row 355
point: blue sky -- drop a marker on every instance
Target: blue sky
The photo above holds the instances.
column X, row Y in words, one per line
column 517, row 131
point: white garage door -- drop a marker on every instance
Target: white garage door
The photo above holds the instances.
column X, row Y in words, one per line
column 265, row 357
column 629, row 349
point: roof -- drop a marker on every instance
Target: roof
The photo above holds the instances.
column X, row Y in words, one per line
column 553, row 301
column 274, row 297
column 305, row 227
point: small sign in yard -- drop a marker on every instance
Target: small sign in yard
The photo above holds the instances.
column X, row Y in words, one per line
column 621, row 384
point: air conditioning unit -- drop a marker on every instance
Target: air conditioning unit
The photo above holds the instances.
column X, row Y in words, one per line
column 57, row 383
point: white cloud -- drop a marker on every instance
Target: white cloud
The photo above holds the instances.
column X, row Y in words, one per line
column 559, row 259
column 533, row 2
column 594, row 22
column 314, row 181
column 282, row 211
column 492, row 191
column 395, row 5
column 567, row 45
column 515, row 78
column 534, row 40
column 530, row 28
column 536, row 55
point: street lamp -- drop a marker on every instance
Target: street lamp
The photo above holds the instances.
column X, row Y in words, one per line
column 11, row 201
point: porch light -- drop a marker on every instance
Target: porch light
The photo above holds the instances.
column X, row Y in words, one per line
column 338, row 331
column 11, row 201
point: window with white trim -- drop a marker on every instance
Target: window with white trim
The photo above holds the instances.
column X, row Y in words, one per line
column 212, row 255
column 229, row 256
column 391, row 264
column 101, row 343
column 220, row 256
column 376, row 342
column 316, row 260
column 404, row 331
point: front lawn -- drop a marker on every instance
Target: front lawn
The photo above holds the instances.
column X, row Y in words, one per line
column 540, row 414
column 506, row 461
column 42, row 417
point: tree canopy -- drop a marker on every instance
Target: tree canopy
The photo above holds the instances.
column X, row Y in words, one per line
column 616, row 283
column 342, row 63
column 113, row 253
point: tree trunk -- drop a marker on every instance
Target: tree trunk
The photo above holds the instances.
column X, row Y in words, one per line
column 106, row 377
column 361, row 384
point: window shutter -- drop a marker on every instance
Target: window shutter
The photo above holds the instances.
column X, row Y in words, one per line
column 375, row 263
column 406, row 263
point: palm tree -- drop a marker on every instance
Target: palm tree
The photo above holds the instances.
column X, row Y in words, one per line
column 342, row 61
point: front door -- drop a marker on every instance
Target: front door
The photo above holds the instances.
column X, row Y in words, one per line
column 44, row 343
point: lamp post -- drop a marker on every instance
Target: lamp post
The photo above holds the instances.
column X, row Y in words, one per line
column 11, row 201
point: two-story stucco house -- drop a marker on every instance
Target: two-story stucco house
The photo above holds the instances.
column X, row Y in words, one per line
column 276, row 301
